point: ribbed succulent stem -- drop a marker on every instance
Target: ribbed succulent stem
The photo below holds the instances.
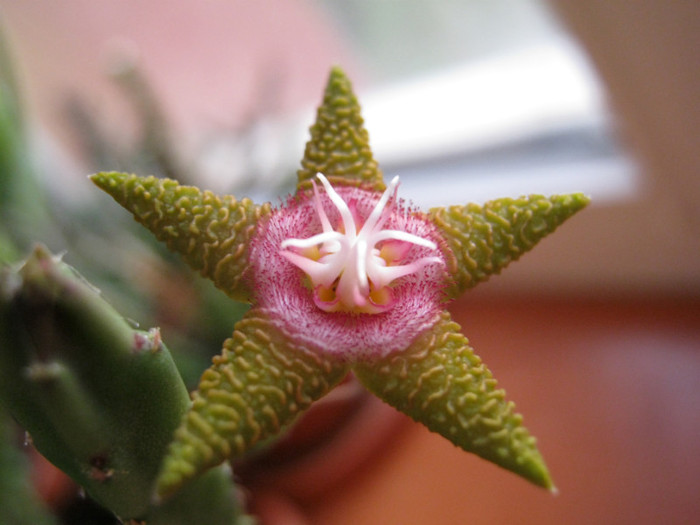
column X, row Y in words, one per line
column 19, row 504
column 100, row 399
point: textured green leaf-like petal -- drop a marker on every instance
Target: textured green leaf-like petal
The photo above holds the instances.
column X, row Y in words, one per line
column 339, row 146
column 440, row 382
column 212, row 233
column 259, row 384
column 485, row 239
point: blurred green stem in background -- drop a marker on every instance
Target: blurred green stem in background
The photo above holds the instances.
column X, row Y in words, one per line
column 100, row 399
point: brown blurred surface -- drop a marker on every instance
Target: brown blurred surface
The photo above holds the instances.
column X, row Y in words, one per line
column 609, row 387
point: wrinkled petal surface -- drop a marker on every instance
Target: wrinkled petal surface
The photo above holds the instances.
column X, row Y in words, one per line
column 259, row 384
column 483, row 240
column 282, row 291
column 440, row 382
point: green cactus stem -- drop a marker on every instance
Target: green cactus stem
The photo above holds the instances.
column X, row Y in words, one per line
column 24, row 210
column 19, row 503
column 99, row 398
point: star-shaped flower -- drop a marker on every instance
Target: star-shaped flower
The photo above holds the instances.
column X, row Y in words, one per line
column 343, row 278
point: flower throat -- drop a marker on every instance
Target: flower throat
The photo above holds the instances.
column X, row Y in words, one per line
column 352, row 267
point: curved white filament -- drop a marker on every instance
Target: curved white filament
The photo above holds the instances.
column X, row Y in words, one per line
column 349, row 262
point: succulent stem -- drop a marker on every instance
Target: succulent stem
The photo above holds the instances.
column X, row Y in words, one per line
column 100, row 399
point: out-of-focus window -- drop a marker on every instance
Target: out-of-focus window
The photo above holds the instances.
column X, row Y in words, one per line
column 469, row 100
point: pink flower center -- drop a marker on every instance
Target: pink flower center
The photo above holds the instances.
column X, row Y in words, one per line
column 352, row 266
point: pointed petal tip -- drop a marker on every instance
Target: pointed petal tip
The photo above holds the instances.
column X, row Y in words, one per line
column 585, row 199
column 234, row 409
column 338, row 82
column 577, row 201
column 107, row 179
column 339, row 146
column 568, row 205
column 104, row 175
column 337, row 72
column 440, row 382
column 97, row 178
column 538, row 474
column 484, row 239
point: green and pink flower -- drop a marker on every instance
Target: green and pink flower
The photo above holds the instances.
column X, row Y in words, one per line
column 344, row 276
column 351, row 272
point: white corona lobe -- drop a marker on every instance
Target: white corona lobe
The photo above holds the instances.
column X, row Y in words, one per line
column 347, row 268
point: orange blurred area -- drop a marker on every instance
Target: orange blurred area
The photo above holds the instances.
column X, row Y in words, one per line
column 608, row 387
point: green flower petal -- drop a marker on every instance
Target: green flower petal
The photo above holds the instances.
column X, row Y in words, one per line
column 440, row 382
column 485, row 239
column 211, row 232
column 257, row 386
column 339, row 146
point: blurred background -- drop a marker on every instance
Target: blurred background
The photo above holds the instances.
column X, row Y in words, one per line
column 595, row 334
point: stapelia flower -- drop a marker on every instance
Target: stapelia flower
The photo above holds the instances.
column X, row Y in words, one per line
column 342, row 276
